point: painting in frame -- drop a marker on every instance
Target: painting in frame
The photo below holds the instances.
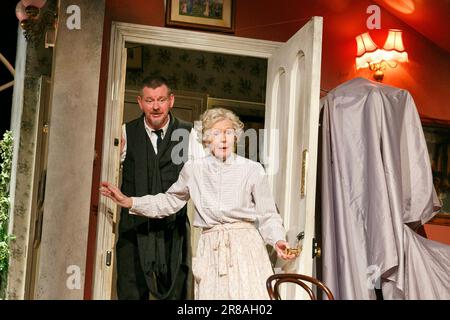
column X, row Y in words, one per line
column 213, row 15
column 438, row 144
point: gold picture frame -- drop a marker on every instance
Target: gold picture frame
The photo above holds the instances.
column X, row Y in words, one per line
column 438, row 144
column 212, row 15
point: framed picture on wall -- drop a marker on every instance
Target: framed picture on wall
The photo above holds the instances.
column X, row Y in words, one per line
column 438, row 144
column 213, row 15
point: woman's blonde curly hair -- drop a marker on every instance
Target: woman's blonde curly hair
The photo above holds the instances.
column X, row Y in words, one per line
column 210, row 117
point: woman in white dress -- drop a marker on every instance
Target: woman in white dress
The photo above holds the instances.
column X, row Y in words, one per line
column 234, row 207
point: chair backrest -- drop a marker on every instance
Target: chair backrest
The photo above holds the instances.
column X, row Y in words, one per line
column 274, row 281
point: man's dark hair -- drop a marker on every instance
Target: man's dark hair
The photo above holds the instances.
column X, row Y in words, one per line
column 155, row 82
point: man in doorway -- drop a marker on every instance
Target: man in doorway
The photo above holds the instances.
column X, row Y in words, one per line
column 153, row 255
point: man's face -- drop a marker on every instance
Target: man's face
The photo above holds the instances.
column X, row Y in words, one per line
column 156, row 104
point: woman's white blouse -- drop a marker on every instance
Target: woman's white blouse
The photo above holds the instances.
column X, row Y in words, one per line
column 222, row 192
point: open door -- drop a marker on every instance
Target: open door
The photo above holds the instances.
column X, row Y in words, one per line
column 292, row 121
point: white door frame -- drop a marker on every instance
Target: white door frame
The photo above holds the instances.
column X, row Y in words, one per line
column 120, row 34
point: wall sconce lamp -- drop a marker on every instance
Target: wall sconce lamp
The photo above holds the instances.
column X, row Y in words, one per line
column 33, row 20
column 370, row 56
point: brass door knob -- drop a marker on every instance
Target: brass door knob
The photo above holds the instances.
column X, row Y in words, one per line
column 317, row 251
column 295, row 251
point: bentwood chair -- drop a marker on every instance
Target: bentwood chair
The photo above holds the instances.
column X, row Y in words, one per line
column 274, row 281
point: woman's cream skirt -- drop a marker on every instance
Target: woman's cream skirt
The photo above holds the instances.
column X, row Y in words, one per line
column 231, row 263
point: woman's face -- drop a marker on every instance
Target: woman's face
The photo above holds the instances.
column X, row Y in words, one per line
column 221, row 138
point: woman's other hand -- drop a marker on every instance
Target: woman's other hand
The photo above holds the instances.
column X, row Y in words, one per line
column 281, row 247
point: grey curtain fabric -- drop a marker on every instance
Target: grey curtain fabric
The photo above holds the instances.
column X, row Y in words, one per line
column 376, row 185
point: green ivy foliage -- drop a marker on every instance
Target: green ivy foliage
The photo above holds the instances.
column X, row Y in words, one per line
column 6, row 146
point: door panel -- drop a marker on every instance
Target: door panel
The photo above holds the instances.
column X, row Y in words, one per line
column 279, row 98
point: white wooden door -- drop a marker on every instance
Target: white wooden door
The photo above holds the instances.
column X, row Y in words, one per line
column 291, row 141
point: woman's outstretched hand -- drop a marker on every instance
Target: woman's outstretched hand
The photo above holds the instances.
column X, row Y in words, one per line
column 281, row 247
column 112, row 192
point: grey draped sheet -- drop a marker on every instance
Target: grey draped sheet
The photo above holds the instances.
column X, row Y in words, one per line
column 376, row 184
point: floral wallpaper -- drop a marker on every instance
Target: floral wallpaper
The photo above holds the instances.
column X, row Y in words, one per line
column 219, row 75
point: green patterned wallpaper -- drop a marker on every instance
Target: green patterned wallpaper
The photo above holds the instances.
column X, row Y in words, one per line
column 219, row 75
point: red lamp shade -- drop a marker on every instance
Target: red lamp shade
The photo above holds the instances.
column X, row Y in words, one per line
column 367, row 51
column 394, row 48
column 369, row 56
column 365, row 44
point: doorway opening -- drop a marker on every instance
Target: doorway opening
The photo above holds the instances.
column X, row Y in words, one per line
column 122, row 35
column 200, row 80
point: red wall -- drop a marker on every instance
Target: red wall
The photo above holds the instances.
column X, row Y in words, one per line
column 438, row 233
column 426, row 76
